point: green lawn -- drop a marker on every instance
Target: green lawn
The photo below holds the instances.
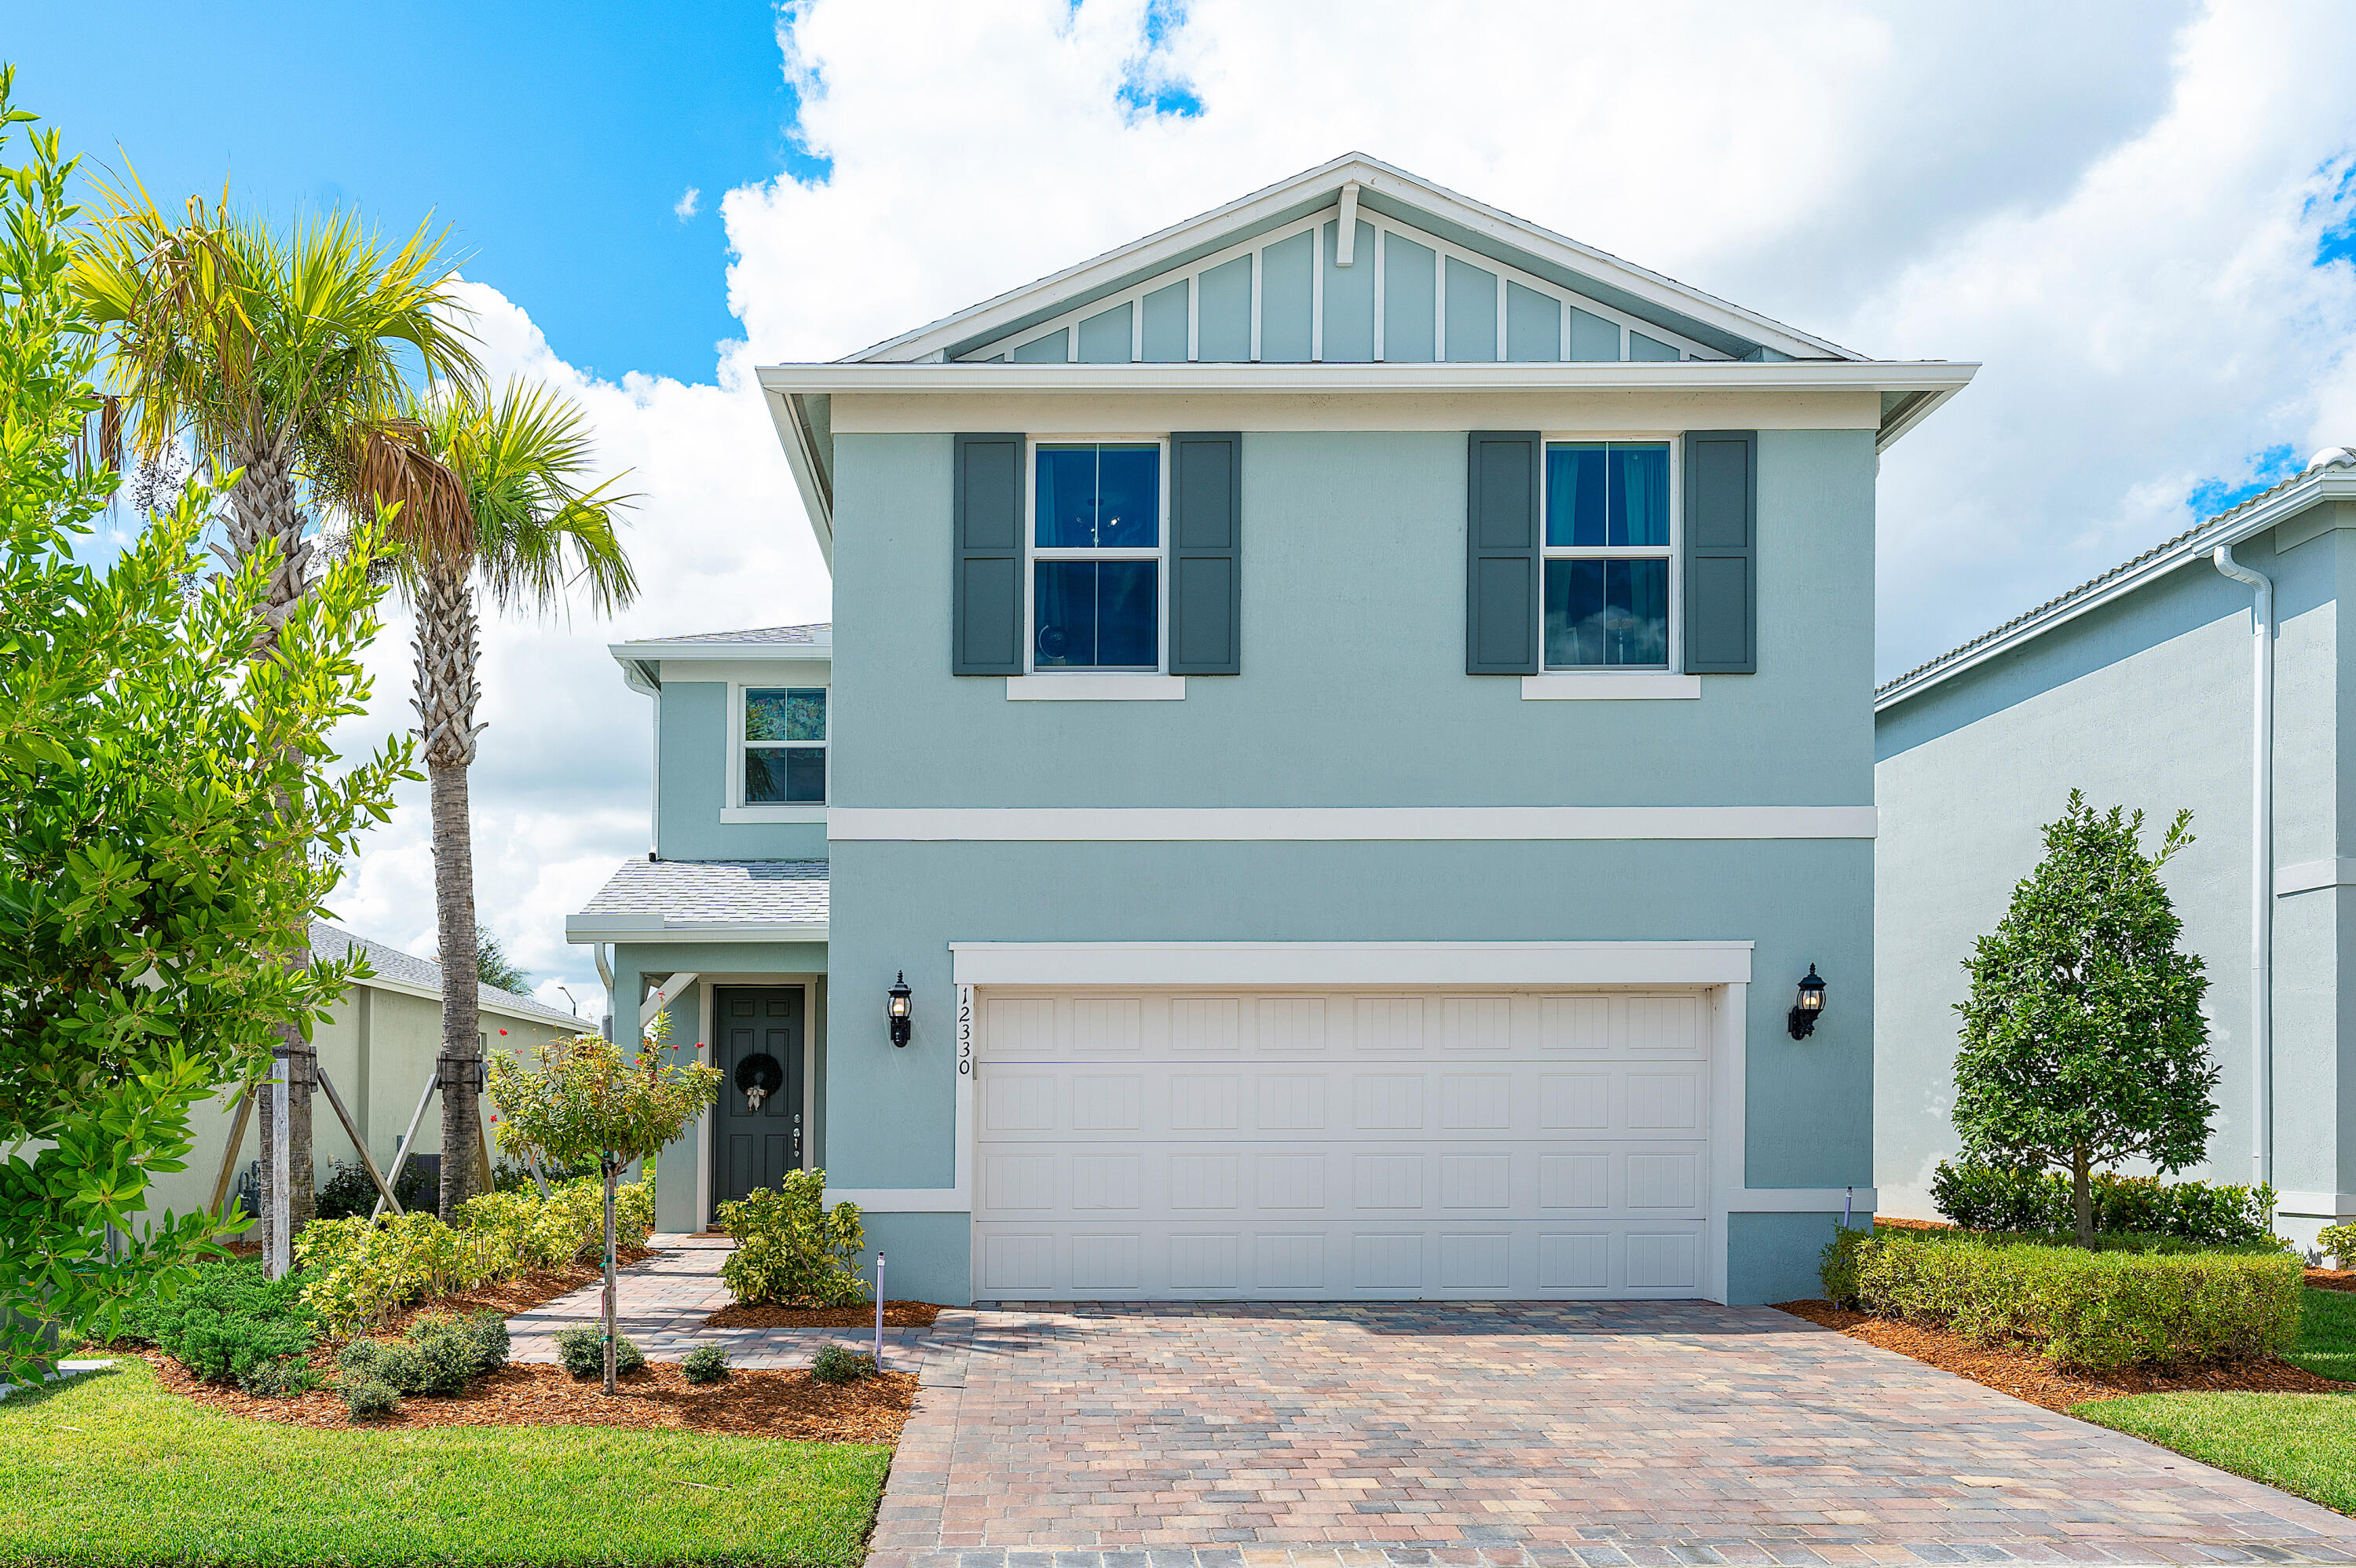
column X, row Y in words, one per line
column 2303, row 1442
column 111, row 1469
column 2327, row 1334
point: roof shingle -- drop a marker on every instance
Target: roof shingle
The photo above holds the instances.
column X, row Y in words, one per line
column 390, row 963
column 746, row 892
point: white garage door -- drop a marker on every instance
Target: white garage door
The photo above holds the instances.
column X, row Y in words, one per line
column 1331, row 1145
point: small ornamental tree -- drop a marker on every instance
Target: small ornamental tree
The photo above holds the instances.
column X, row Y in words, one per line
column 587, row 1100
column 2083, row 1042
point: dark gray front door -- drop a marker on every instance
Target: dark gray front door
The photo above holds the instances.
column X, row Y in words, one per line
column 758, row 1123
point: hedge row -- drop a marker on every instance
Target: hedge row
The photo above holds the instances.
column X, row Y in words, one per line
column 2094, row 1310
column 358, row 1271
column 1991, row 1197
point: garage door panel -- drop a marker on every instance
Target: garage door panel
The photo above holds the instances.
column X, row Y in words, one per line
column 1341, row 1145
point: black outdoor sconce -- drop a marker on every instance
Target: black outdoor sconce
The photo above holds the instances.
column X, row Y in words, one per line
column 1807, row 1006
column 898, row 1010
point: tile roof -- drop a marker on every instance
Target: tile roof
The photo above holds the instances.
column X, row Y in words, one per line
column 392, row 964
column 2219, row 524
column 795, row 634
column 733, row 892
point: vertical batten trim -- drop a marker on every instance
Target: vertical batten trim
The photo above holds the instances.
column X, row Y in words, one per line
column 1501, row 318
column 1257, row 270
column 1382, row 304
column 1317, row 291
column 1193, row 318
column 1438, row 306
column 1346, row 236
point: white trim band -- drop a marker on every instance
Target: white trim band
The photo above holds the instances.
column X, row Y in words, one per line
column 2311, row 1205
column 1349, row 963
column 1240, row 824
column 2309, row 875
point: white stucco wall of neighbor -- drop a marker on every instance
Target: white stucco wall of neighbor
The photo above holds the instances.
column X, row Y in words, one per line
column 2147, row 702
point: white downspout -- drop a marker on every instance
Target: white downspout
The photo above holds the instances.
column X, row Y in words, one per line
column 2262, row 863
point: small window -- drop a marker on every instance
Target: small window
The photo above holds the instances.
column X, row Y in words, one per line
column 784, row 745
column 1096, row 557
column 1610, row 551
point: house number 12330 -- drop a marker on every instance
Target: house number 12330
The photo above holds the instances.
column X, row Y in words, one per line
column 965, row 1030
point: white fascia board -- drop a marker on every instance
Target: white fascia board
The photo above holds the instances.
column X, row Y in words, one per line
column 816, row 502
column 487, row 1006
column 1350, row 963
column 658, row 652
column 1370, row 174
column 2317, row 486
column 1934, row 376
column 647, row 928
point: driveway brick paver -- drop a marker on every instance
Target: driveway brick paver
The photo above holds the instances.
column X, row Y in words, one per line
column 660, row 1304
column 1517, row 1435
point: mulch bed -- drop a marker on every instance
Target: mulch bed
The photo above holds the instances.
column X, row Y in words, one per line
column 508, row 1297
column 896, row 1315
column 2331, row 1279
column 2023, row 1373
column 777, row 1405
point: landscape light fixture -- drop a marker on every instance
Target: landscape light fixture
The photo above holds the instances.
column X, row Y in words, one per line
column 1807, row 1006
column 897, row 1008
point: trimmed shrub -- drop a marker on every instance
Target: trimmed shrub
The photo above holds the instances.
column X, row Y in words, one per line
column 840, row 1364
column 367, row 1398
column 1992, row 1198
column 791, row 1251
column 282, row 1379
column 706, row 1364
column 581, row 1350
column 358, row 1271
column 438, row 1356
column 232, row 1323
column 2154, row 1301
column 2339, row 1241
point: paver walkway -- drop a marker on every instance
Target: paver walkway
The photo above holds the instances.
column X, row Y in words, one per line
column 660, row 1304
column 1574, row 1435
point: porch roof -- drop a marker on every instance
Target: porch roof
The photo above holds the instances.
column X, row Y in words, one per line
column 743, row 900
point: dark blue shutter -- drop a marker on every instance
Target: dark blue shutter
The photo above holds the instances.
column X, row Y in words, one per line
column 986, row 627
column 1721, row 524
column 1205, row 553
column 1502, row 548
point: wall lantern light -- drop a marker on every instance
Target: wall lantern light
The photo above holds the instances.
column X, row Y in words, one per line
column 897, row 1009
column 1807, row 1006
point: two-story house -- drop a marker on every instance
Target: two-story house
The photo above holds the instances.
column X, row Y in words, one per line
column 1346, row 724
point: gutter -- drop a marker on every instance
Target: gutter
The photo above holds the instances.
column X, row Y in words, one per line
column 2262, row 859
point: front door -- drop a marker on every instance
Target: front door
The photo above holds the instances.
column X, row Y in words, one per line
column 757, row 1126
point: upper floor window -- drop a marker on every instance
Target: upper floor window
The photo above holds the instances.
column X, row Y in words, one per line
column 784, row 745
column 1609, row 553
column 1095, row 556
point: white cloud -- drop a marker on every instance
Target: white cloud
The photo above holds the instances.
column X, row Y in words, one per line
column 2115, row 206
column 685, row 207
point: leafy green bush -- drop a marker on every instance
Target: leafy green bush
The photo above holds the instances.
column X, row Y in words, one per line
column 2155, row 1302
column 840, row 1364
column 791, row 1251
column 1991, row 1197
column 2339, row 1242
column 347, row 1191
column 581, row 1350
column 366, row 1397
column 438, row 1356
column 358, row 1270
column 231, row 1324
column 706, row 1364
column 281, row 1379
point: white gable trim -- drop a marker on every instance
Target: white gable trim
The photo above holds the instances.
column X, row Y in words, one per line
column 1157, row 252
column 1068, row 323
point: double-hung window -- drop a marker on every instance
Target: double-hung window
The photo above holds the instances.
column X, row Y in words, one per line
column 1096, row 579
column 1610, row 553
column 784, row 745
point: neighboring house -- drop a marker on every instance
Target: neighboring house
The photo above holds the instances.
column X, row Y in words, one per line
column 2141, row 688
column 1351, row 716
column 378, row 1047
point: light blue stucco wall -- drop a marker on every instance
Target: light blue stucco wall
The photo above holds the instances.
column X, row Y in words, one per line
column 1352, row 694
column 696, row 762
column 2144, row 702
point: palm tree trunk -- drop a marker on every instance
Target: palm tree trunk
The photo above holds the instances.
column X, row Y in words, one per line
column 262, row 518
column 447, row 695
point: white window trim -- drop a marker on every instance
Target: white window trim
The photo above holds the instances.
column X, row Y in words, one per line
column 1084, row 685
column 1622, row 681
column 736, row 809
column 1003, row 348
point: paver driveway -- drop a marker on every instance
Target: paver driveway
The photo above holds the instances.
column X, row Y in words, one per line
column 1230, row 1436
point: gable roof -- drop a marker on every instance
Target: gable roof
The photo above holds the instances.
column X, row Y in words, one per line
column 2326, row 478
column 398, row 971
column 1395, row 193
column 785, row 900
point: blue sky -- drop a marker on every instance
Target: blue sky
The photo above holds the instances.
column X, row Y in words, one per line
column 553, row 141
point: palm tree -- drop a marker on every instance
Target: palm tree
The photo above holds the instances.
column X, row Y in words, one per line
column 281, row 357
column 516, row 520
